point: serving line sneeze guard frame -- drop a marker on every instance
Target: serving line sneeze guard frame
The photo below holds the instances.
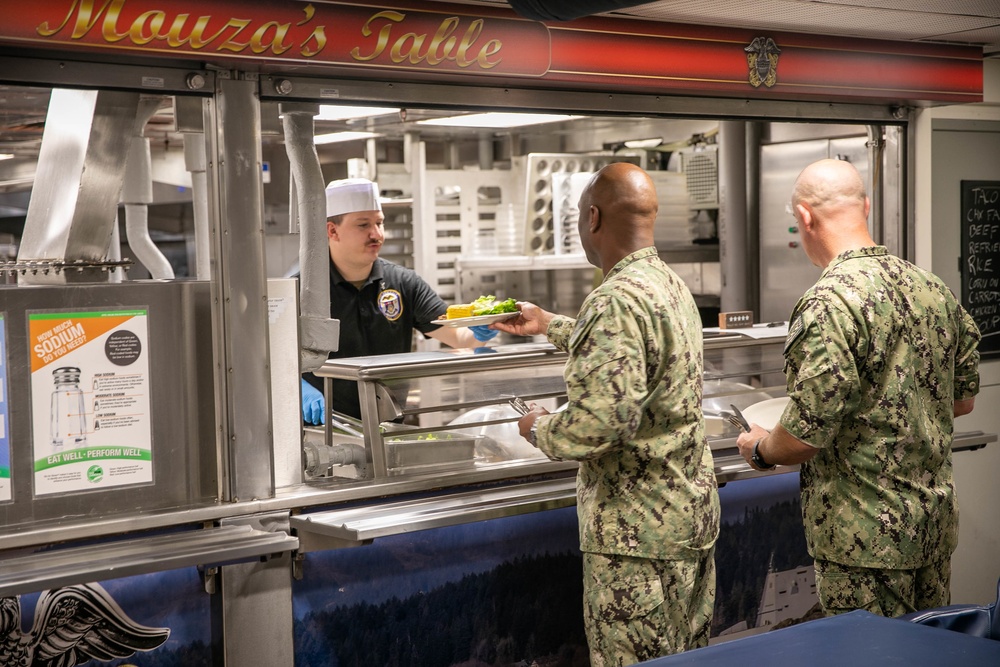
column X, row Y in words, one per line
column 426, row 390
column 431, row 396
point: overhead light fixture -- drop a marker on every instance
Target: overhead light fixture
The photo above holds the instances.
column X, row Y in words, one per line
column 334, row 112
column 497, row 119
column 644, row 143
column 335, row 137
column 6, row 156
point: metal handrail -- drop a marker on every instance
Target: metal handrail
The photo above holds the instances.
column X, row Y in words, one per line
column 359, row 525
column 409, row 366
column 123, row 558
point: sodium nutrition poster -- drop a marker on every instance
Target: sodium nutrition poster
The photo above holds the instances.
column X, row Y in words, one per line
column 90, row 399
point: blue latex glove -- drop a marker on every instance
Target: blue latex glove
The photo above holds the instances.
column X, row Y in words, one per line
column 313, row 404
column 483, row 333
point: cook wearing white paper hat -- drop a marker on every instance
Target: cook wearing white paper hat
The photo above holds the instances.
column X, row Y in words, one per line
column 350, row 195
column 379, row 303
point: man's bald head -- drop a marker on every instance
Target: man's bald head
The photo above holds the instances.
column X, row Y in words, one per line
column 617, row 212
column 831, row 206
column 625, row 195
column 829, row 184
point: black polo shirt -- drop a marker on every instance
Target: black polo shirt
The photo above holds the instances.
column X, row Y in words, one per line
column 377, row 319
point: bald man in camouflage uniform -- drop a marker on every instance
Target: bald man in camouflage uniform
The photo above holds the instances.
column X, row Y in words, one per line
column 647, row 499
column 880, row 358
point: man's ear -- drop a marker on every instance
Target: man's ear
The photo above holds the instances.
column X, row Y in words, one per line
column 805, row 215
column 331, row 230
column 595, row 219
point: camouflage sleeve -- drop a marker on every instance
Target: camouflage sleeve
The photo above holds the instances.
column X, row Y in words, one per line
column 821, row 372
column 967, row 357
column 559, row 331
column 605, row 385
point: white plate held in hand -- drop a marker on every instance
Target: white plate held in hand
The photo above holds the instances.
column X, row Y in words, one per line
column 475, row 320
column 766, row 413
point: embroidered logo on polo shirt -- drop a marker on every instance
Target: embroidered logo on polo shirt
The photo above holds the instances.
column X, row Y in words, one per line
column 390, row 302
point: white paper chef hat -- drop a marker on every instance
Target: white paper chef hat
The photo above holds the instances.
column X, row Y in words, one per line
column 350, row 195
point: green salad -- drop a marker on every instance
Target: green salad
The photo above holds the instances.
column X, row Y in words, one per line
column 488, row 305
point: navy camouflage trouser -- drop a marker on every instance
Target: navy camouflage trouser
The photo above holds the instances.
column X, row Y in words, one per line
column 637, row 609
column 843, row 588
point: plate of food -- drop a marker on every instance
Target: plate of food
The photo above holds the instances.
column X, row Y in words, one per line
column 484, row 310
column 475, row 320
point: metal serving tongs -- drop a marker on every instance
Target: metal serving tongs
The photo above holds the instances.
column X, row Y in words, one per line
column 518, row 404
column 737, row 419
column 347, row 424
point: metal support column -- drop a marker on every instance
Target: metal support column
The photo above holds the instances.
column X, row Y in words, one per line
column 252, row 622
column 754, row 130
column 733, row 216
column 894, row 229
column 239, row 289
column 875, row 184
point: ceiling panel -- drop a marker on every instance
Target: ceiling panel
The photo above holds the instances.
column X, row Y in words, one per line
column 968, row 7
column 989, row 36
column 975, row 22
column 813, row 17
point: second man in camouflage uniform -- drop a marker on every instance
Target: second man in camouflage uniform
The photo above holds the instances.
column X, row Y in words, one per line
column 880, row 358
column 647, row 499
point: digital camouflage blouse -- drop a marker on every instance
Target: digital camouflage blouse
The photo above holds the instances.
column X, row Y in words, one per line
column 878, row 351
column 646, row 484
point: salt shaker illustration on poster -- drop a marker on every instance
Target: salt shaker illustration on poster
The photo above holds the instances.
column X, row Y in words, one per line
column 4, row 418
column 90, row 399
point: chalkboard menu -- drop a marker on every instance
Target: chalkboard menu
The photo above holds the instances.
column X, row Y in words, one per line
column 981, row 260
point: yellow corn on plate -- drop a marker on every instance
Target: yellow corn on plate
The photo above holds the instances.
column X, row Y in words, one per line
column 459, row 310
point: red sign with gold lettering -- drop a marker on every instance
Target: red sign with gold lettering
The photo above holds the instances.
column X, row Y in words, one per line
column 409, row 40
column 323, row 33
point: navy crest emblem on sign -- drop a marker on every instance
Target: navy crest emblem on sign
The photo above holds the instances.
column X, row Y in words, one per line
column 762, row 58
column 390, row 302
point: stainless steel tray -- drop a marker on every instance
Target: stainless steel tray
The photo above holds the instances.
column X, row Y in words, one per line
column 409, row 451
column 440, row 448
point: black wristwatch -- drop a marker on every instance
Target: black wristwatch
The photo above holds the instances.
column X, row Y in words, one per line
column 532, row 434
column 757, row 459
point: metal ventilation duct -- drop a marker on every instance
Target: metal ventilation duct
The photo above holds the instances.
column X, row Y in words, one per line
column 137, row 194
column 81, row 168
column 320, row 334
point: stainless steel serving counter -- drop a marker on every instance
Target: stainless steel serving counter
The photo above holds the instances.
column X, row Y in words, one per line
column 745, row 366
column 439, row 388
